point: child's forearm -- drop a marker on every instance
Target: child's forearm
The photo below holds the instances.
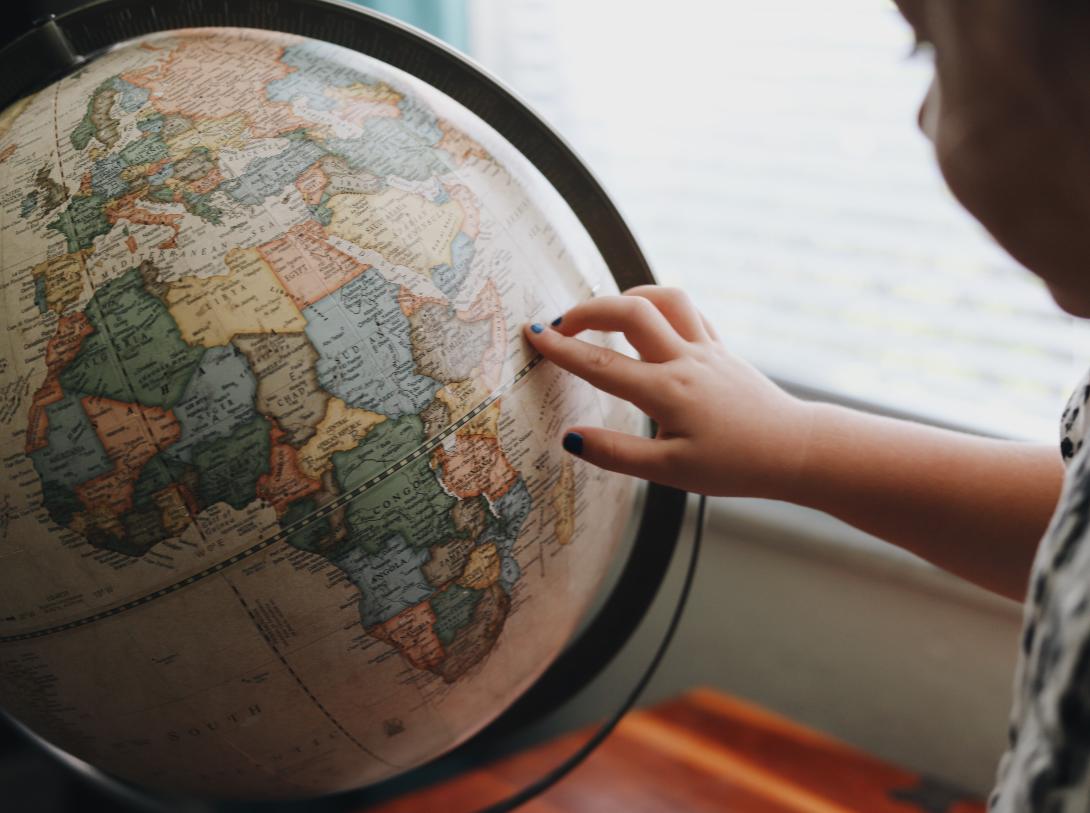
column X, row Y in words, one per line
column 974, row 506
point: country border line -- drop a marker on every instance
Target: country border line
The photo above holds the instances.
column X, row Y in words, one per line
column 288, row 530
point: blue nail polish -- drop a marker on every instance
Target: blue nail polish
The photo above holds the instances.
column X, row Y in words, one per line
column 537, row 327
column 556, row 322
column 573, row 442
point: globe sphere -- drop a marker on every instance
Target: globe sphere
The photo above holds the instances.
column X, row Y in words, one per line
column 284, row 508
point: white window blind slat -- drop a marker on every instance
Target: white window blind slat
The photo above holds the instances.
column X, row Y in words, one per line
column 767, row 158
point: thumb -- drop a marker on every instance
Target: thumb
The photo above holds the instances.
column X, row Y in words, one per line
column 616, row 451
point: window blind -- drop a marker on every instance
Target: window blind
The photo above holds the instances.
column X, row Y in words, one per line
column 767, row 157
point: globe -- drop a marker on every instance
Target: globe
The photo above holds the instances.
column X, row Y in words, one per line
column 284, row 509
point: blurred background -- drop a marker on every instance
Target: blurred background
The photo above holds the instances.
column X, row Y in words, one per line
column 767, row 157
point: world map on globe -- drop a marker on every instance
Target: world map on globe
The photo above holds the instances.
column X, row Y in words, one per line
column 284, row 510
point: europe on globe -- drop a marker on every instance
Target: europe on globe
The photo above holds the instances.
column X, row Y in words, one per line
column 283, row 509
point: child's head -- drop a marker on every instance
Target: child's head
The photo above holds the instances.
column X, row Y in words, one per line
column 1009, row 115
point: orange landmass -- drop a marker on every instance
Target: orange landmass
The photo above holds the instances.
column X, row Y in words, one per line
column 311, row 183
column 562, row 496
column 207, row 182
column 356, row 103
column 460, row 146
column 62, row 348
column 126, row 209
column 471, row 225
column 488, row 305
column 412, row 631
column 409, row 301
column 212, row 77
column 285, row 482
column 482, row 568
column 308, row 267
column 130, row 241
column 131, row 435
column 476, row 466
column 177, row 507
column 7, row 152
column 85, row 184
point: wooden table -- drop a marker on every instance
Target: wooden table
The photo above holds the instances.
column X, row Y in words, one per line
column 705, row 751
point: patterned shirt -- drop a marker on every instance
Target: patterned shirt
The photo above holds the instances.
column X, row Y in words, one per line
column 1045, row 769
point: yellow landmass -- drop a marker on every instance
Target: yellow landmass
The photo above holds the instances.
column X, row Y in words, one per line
column 63, row 280
column 10, row 114
column 247, row 299
column 462, row 396
column 211, row 133
column 563, row 500
column 405, row 228
column 482, row 568
column 341, row 428
column 172, row 510
column 379, row 93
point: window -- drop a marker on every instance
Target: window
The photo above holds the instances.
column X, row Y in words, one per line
column 766, row 155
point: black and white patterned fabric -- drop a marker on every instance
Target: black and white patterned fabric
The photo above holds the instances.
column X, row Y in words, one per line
column 1045, row 769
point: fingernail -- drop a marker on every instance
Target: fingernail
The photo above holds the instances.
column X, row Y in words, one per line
column 537, row 327
column 573, row 442
column 556, row 322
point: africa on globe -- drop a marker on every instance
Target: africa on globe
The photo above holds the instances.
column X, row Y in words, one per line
column 284, row 510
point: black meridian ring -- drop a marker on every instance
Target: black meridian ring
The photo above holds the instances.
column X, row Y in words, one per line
column 61, row 44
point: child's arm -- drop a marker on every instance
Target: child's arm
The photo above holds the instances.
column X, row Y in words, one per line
column 974, row 506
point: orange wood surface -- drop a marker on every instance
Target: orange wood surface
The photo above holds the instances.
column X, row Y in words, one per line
column 705, row 751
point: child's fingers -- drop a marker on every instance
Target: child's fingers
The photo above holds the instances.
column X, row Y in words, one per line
column 641, row 457
column 638, row 319
column 617, row 374
column 675, row 305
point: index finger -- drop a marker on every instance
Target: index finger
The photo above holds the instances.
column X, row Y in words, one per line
column 642, row 323
column 608, row 370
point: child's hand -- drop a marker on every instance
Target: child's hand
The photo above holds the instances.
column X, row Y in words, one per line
column 724, row 428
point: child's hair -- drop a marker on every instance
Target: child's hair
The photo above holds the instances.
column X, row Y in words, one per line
column 1058, row 44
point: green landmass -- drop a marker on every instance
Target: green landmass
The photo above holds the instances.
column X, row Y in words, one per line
column 409, row 501
column 136, row 353
column 40, row 298
column 322, row 213
column 198, row 205
column 82, row 221
column 453, row 609
column 229, row 467
column 158, row 473
column 315, row 536
column 84, row 132
column 143, row 531
column 147, row 149
column 61, row 502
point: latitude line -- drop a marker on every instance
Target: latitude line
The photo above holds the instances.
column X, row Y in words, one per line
column 285, row 531
column 299, row 680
